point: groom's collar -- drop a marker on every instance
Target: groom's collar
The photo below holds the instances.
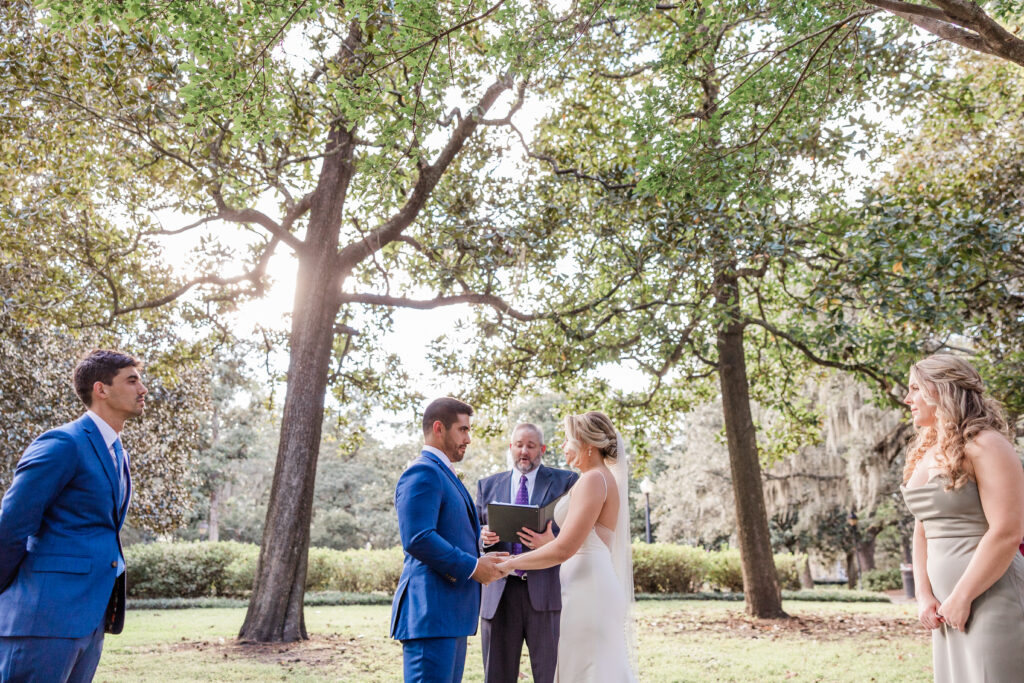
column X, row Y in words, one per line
column 439, row 453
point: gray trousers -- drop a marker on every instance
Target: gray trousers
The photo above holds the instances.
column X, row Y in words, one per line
column 514, row 622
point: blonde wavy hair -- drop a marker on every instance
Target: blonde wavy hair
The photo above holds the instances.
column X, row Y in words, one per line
column 595, row 429
column 962, row 411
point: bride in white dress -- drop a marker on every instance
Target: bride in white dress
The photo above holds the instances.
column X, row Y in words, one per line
column 593, row 546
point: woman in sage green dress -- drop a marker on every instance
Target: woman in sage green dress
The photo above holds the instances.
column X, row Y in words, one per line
column 964, row 483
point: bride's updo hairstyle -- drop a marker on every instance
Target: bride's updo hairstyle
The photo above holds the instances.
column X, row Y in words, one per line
column 962, row 411
column 592, row 429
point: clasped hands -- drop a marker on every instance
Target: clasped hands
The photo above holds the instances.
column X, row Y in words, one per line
column 496, row 565
column 952, row 612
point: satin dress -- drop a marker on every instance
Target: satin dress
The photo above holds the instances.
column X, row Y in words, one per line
column 592, row 646
column 991, row 649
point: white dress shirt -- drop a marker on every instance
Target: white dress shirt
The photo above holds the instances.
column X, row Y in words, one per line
column 441, row 454
column 109, row 436
column 531, row 479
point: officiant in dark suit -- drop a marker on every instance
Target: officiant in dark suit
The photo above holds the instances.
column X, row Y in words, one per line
column 522, row 607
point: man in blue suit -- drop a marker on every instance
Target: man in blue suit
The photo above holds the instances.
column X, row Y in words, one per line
column 437, row 604
column 61, row 564
column 523, row 606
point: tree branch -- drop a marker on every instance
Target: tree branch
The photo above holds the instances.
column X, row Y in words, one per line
column 428, row 178
column 868, row 371
column 960, row 22
column 572, row 172
column 279, row 232
column 254, row 276
column 436, row 39
column 438, row 302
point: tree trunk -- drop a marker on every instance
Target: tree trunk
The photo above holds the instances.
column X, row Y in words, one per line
column 806, row 580
column 276, row 609
column 906, row 547
column 760, row 580
column 213, row 523
column 213, row 519
column 852, row 575
column 866, row 552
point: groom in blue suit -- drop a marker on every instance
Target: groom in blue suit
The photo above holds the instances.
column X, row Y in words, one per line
column 61, row 565
column 437, row 604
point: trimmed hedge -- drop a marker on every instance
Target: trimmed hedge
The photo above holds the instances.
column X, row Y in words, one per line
column 882, row 579
column 190, row 570
column 226, row 570
column 668, row 568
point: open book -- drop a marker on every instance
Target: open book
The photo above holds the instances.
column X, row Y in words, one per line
column 506, row 519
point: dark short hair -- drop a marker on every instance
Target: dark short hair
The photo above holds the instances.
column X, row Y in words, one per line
column 99, row 365
column 447, row 410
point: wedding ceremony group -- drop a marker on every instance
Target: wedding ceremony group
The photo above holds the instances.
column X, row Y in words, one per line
column 512, row 341
column 565, row 590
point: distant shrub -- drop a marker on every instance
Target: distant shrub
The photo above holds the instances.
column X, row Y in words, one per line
column 322, row 569
column 882, row 579
column 668, row 568
column 787, row 566
column 227, row 569
column 188, row 570
column 369, row 571
column 725, row 571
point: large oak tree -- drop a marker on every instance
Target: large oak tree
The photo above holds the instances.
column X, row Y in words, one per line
column 325, row 129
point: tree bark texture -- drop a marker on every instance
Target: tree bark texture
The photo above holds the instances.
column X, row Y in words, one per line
column 852, row 570
column 866, row 551
column 213, row 523
column 806, row 579
column 760, row 580
column 275, row 609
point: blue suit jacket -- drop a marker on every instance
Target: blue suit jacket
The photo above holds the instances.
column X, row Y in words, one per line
column 542, row 585
column 59, row 541
column 440, row 532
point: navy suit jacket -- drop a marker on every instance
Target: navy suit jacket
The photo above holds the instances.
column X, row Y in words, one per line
column 440, row 536
column 542, row 584
column 59, row 535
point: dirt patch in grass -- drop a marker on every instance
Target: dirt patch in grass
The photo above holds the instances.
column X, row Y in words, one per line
column 327, row 651
column 321, row 650
column 811, row 626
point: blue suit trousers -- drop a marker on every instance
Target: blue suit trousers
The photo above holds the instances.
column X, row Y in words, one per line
column 434, row 660
column 34, row 659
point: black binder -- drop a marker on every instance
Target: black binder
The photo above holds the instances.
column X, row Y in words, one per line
column 506, row 519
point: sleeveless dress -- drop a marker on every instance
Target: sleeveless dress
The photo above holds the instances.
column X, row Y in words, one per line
column 592, row 641
column 992, row 648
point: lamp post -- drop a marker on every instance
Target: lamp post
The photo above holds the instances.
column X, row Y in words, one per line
column 646, row 486
column 852, row 520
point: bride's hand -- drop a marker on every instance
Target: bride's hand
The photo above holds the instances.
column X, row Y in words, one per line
column 505, row 567
column 531, row 539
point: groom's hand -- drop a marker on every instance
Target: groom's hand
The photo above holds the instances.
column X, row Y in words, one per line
column 487, row 568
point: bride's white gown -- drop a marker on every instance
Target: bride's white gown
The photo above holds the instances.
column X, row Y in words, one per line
column 592, row 642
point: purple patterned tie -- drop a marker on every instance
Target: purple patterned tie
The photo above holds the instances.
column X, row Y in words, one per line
column 522, row 498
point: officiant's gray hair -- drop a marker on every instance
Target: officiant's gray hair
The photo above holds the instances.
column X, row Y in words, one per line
column 532, row 427
column 593, row 428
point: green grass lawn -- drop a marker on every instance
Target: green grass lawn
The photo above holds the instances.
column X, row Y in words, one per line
column 679, row 641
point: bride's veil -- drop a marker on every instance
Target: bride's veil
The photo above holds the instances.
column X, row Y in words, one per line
column 622, row 546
